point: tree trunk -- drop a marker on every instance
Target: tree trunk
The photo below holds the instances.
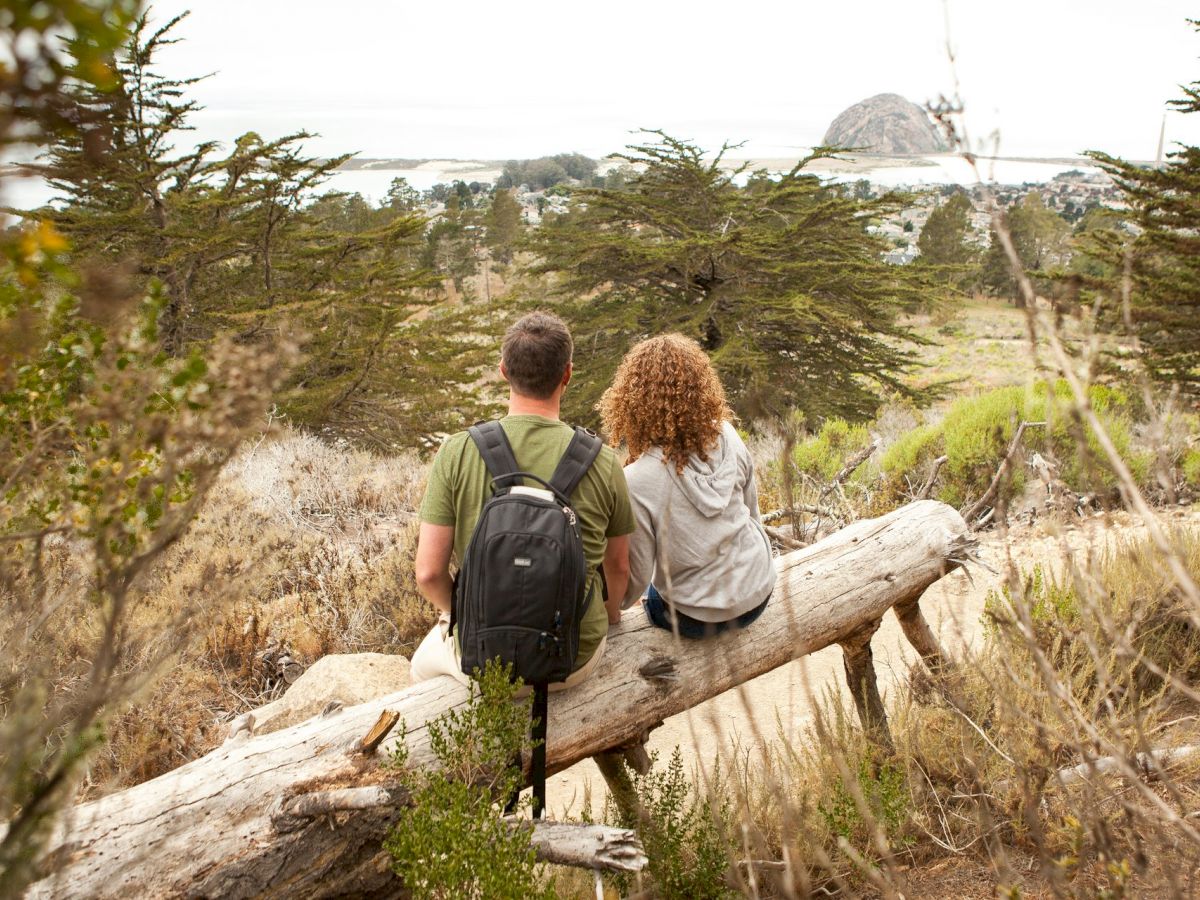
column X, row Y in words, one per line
column 242, row 821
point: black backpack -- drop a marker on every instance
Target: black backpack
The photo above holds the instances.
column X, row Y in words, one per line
column 521, row 591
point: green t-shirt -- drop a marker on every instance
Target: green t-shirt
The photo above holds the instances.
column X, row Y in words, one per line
column 459, row 485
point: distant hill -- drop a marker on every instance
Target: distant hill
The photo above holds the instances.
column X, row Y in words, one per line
column 887, row 124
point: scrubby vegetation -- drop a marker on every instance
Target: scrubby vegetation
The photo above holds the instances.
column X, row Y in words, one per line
column 452, row 840
column 301, row 550
column 159, row 516
column 982, row 766
column 954, row 455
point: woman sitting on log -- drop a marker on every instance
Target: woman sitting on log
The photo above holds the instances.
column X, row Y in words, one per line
column 700, row 555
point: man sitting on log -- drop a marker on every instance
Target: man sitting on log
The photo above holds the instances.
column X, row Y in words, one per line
column 536, row 362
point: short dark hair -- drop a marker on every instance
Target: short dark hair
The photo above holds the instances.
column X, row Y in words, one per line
column 536, row 352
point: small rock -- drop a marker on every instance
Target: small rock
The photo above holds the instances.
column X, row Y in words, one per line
column 344, row 678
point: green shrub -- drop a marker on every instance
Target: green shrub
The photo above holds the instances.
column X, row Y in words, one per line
column 976, row 433
column 452, row 841
column 823, row 455
column 682, row 834
column 1052, row 605
column 882, row 785
column 1137, row 600
column 1191, row 467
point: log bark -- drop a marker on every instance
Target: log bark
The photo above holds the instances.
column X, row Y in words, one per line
column 1144, row 765
column 859, row 664
column 236, row 822
column 600, row 847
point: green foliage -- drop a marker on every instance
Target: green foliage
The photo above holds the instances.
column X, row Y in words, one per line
column 107, row 446
column 976, row 432
column 244, row 247
column 504, row 225
column 779, row 281
column 1040, row 237
column 1051, row 604
column 683, row 833
column 451, row 841
column 1164, row 258
column 546, row 171
column 1190, row 467
column 1137, row 599
column 945, row 242
column 110, row 444
column 884, row 787
column 823, row 455
column 34, row 68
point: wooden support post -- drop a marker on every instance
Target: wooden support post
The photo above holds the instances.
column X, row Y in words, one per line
column 616, row 764
column 864, row 687
column 611, row 764
column 921, row 636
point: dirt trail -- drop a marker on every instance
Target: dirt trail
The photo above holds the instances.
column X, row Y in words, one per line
column 779, row 705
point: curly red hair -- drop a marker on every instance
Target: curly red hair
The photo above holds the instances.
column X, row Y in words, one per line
column 665, row 394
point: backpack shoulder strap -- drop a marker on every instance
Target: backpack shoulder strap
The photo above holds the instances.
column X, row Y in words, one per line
column 585, row 446
column 495, row 449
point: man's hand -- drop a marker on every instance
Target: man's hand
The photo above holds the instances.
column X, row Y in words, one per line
column 434, row 545
column 616, row 575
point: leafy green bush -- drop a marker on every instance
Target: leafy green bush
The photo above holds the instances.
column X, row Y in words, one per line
column 977, row 430
column 823, row 455
column 882, row 785
column 1191, row 467
column 1137, row 601
column 1052, row 605
column 682, row 832
column 452, row 841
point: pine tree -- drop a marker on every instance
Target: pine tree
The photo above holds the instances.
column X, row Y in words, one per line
column 946, row 246
column 1164, row 257
column 779, row 281
column 1041, row 238
column 945, row 239
column 504, row 225
column 243, row 246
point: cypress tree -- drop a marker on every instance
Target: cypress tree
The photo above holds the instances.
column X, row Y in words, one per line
column 1041, row 238
column 243, row 246
column 504, row 225
column 780, row 281
column 945, row 239
column 1164, row 257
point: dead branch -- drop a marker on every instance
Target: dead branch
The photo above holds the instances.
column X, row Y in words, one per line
column 1001, row 473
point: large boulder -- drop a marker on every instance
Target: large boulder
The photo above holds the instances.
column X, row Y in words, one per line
column 886, row 124
column 345, row 678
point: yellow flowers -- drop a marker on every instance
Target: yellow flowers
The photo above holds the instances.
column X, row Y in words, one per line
column 51, row 238
column 35, row 247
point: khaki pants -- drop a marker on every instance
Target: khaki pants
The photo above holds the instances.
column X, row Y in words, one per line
column 438, row 655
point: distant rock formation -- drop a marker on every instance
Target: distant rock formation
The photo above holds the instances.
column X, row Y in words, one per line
column 886, row 124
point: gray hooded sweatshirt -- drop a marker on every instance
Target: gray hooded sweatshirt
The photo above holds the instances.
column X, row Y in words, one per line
column 699, row 539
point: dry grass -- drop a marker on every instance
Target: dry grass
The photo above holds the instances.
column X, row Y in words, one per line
column 970, row 800
column 302, row 549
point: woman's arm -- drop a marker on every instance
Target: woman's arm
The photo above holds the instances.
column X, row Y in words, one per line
column 642, row 548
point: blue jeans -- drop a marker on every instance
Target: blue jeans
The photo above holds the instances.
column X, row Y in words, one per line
column 659, row 612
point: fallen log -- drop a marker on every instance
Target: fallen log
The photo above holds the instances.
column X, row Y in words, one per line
column 1144, row 765
column 284, row 814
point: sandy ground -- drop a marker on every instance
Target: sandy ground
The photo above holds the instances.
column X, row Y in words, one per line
column 778, row 705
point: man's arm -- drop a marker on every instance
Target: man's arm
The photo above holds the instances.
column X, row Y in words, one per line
column 616, row 575
column 434, row 545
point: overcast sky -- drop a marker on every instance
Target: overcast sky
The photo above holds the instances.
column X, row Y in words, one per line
column 517, row 78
